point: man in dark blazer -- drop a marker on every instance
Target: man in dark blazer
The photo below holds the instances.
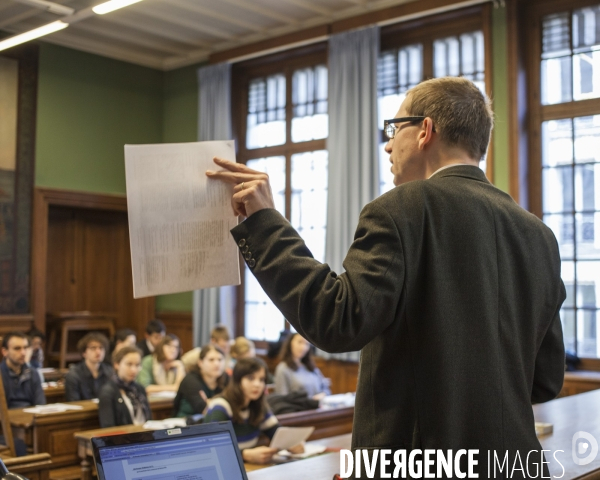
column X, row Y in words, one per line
column 451, row 291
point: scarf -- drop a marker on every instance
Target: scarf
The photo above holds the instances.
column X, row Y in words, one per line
column 137, row 396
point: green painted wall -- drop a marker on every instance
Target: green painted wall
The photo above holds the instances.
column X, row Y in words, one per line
column 500, row 98
column 88, row 108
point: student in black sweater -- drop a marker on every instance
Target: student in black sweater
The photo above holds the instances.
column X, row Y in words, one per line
column 122, row 401
column 198, row 386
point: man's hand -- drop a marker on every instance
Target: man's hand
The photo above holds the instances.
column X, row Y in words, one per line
column 251, row 191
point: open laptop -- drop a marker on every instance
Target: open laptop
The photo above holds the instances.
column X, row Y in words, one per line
column 198, row 452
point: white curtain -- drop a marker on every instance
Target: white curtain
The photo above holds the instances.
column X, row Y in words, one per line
column 213, row 305
column 353, row 141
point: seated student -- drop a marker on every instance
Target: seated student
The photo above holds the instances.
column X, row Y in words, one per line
column 122, row 401
column 244, row 348
column 85, row 379
column 155, row 332
column 162, row 371
column 124, row 337
column 36, row 343
column 297, row 370
column 199, row 385
column 219, row 337
column 22, row 384
column 243, row 404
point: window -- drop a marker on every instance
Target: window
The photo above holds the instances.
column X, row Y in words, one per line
column 457, row 48
column 281, row 124
column 568, row 118
column 283, row 132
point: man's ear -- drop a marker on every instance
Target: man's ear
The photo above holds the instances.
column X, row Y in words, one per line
column 426, row 133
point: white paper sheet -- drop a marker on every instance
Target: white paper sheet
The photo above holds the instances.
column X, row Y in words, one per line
column 164, row 424
column 52, row 408
column 288, row 437
column 179, row 220
column 309, row 451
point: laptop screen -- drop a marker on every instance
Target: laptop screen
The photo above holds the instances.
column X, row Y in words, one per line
column 198, row 457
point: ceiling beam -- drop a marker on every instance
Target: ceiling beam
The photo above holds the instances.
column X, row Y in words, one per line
column 75, row 42
column 27, row 14
column 264, row 11
column 171, row 34
column 125, row 35
column 309, row 6
column 195, row 8
column 185, row 23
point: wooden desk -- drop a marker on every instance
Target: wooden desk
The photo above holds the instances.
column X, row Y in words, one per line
column 54, row 374
column 327, row 422
column 580, row 381
column 568, row 415
column 53, row 433
column 55, row 394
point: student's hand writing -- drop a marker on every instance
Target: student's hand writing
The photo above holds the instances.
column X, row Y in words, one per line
column 251, row 191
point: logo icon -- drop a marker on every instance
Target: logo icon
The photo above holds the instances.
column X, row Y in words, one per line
column 585, row 448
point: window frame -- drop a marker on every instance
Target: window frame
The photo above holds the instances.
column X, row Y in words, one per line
column 242, row 73
column 531, row 30
column 427, row 29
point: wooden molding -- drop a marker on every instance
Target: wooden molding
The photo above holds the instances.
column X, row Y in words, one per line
column 79, row 199
column 386, row 16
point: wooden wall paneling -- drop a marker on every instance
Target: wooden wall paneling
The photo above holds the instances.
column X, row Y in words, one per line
column 180, row 324
column 61, row 286
column 103, row 239
column 10, row 323
column 81, row 257
column 343, row 375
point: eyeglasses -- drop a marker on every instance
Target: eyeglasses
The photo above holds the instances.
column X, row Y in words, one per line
column 390, row 129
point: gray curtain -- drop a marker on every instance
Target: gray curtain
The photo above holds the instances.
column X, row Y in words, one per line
column 353, row 141
column 213, row 305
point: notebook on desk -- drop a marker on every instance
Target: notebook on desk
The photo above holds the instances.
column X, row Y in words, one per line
column 197, row 452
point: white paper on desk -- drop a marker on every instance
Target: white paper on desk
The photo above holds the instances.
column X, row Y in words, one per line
column 52, row 408
column 165, row 394
column 164, row 424
column 309, row 450
column 288, row 437
column 179, row 220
